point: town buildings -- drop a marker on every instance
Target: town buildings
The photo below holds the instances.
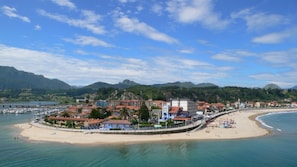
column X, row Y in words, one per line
column 178, row 111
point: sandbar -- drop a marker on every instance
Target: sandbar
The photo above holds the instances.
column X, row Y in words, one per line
column 244, row 126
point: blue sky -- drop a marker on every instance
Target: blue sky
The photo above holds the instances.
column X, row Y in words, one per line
column 225, row 42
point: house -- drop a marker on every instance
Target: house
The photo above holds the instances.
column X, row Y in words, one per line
column 181, row 120
column 250, row 104
column 260, row 105
column 219, row 106
column 175, row 111
column 273, row 104
column 102, row 103
column 181, row 108
column 116, row 125
column 168, row 112
column 202, row 105
column 187, row 105
column 158, row 103
column 76, row 122
column 156, row 114
column 294, row 104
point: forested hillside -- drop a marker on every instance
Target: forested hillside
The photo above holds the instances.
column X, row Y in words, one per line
column 14, row 79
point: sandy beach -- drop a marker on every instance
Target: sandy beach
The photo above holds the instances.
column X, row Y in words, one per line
column 244, row 125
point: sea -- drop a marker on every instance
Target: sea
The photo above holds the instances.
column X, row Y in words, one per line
column 276, row 150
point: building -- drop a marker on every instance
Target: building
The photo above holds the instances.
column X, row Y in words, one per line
column 178, row 108
column 116, row 125
column 186, row 105
column 101, row 103
column 165, row 112
column 75, row 122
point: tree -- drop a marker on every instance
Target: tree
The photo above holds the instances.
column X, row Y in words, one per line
column 65, row 114
column 100, row 113
column 144, row 112
column 124, row 113
column 105, row 113
column 70, row 124
column 95, row 114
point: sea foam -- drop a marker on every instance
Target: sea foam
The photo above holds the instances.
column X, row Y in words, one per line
column 263, row 123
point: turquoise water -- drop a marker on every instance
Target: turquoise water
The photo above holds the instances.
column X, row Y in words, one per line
column 279, row 149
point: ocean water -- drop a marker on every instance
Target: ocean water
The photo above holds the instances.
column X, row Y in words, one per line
column 278, row 149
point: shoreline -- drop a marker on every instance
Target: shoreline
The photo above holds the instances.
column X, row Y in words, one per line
column 245, row 126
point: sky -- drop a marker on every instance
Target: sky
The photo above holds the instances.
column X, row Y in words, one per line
column 226, row 42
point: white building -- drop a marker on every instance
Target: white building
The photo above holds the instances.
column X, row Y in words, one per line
column 165, row 112
column 186, row 105
column 170, row 110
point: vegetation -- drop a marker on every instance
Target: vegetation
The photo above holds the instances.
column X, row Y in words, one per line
column 15, row 79
column 143, row 112
column 124, row 114
column 99, row 113
column 209, row 94
column 23, row 86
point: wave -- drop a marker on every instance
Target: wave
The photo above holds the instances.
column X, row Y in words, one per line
column 263, row 123
column 269, row 114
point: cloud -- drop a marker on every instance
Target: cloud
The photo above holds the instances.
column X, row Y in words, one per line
column 139, row 8
column 190, row 11
column 226, row 57
column 90, row 20
column 157, row 8
column 135, row 26
column 181, row 69
column 65, row 3
column 274, row 38
column 186, row 51
column 180, row 64
column 285, row 58
column 11, row 12
column 37, row 27
column 126, row 1
column 259, row 21
column 88, row 40
column 203, row 42
column 284, row 67
column 81, row 52
column 285, row 80
column 232, row 55
column 73, row 70
column 112, row 69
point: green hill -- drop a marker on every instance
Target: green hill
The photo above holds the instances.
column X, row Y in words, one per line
column 271, row 86
column 204, row 85
column 11, row 78
column 121, row 85
column 185, row 85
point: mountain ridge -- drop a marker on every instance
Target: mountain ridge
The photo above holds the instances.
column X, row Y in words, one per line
column 11, row 78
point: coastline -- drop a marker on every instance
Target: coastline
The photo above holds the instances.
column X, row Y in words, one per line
column 245, row 126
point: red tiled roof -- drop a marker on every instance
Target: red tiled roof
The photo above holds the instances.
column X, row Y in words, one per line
column 94, row 121
column 90, row 121
column 111, row 117
column 67, row 119
column 117, row 122
column 128, row 107
column 181, row 119
column 174, row 110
